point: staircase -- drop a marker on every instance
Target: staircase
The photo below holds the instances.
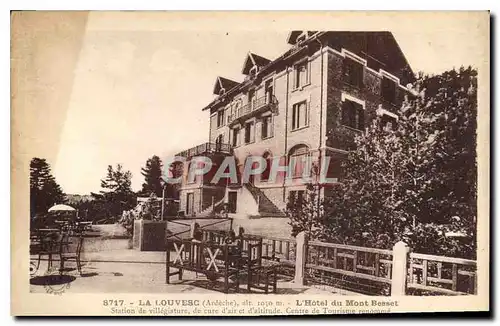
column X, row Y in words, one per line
column 210, row 210
column 266, row 207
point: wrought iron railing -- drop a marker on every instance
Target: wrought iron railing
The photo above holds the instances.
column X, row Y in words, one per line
column 207, row 148
column 256, row 104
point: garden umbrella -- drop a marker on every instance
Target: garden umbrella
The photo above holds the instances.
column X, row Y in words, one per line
column 61, row 208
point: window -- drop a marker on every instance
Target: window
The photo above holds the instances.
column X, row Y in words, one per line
column 299, row 115
column 299, row 154
column 220, row 118
column 267, row 127
column 218, row 142
column 236, row 133
column 190, row 166
column 249, row 133
column 388, row 90
column 251, row 95
column 301, row 74
column 296, row 197
column 302, row 37
column 352, row 72
column 353, row 115
column 388, row 122
column 269, row 91
column 253, row 71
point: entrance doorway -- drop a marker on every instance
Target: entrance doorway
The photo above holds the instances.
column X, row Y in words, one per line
column 232, row 198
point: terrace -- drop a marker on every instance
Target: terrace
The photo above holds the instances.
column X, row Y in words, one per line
column 207, row 148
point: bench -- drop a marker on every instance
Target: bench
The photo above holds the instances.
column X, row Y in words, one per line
column 212, row 259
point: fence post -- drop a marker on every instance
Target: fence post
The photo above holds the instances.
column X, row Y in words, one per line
column 300, row 258
column 399, row 270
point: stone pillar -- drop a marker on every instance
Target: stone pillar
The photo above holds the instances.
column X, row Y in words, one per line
column 399, row 270
column 137, row 236
column 300, row 258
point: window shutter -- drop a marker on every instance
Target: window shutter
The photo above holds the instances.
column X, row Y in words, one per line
column 270, row 127
column 361, row 117
column 309, row 71
column 305, row 113
column 344, row 109
column 346, row 69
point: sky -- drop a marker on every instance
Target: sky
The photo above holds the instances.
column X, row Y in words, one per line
column 139, row 82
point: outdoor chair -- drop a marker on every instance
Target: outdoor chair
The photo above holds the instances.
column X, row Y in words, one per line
column 261, row 274
column 70, row 248
column 44, row 244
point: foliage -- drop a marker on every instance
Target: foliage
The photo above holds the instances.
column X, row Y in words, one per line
column 116, row 194
column 305, row 211
column 414, row 182
column 153, row 180
column 44, row 190
column 152, row 173
column 149, row 210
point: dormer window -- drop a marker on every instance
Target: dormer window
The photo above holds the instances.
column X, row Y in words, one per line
column 301, row 38
column 253, row 71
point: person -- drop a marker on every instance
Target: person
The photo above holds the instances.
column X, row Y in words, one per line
column 230, row 238
column 197, row 233
column 241, row 232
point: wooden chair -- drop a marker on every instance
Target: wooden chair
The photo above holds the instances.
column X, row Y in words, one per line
column 260, row 275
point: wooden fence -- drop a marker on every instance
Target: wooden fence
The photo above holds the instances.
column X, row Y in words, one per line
column 342, row 264
column 439, row 274
column 388, row 272
column 368, row 270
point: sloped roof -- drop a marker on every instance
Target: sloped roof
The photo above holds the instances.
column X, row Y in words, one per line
column 292, row 37
column 380, row 46
column 253, row 59
column 224, row 83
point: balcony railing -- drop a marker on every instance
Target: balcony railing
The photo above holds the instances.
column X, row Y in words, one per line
column 207, row 148
column 259, row 104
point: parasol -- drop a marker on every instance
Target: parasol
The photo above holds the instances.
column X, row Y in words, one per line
column 61, row 208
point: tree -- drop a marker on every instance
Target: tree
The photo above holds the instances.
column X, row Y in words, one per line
column 153, row 177
column 152, row 173
column 413, row 183
column 304, row 211
column 44, row 190
column 116, row 194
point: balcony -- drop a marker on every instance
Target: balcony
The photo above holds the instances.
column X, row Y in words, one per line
column 207, row 148
column 259, row 105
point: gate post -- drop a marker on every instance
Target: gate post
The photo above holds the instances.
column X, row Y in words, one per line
column 300, row 258
column 192, row 229
column 399, row 270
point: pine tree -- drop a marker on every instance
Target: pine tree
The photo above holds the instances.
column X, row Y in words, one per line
column 152, row 173
column 44, row 190
column 116, row 194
